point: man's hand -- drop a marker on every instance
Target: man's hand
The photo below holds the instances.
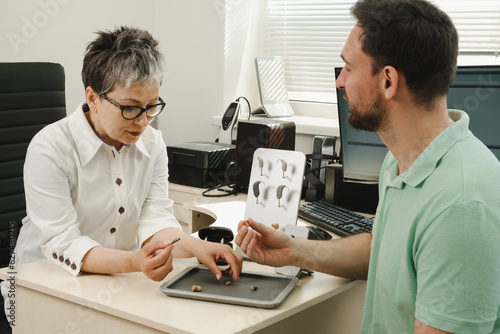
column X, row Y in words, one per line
column 264, row 244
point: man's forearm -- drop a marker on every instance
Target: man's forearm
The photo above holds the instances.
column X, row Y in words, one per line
column 347, row 257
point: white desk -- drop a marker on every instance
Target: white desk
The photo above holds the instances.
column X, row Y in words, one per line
column 50, row 300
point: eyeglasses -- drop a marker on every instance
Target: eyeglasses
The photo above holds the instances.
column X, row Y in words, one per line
column 132, row 112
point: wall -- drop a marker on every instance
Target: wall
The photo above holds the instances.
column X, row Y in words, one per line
column 58, row 31
column 191, row 35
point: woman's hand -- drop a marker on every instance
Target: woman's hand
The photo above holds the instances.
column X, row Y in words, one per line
column 264, row 244
column 209, row 253
column 154, row 259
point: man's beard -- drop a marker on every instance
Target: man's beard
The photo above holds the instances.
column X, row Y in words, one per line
column 367, row 118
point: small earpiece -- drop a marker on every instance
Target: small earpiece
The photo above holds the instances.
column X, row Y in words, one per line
column 283, row 166
column 261, row 164
column 256, row 190
column 279, row 194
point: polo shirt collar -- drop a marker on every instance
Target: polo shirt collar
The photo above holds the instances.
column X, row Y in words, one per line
column 428, row 160
column 86, row 140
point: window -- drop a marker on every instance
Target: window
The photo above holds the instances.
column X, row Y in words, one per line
column 478, row 25
column 310, row 34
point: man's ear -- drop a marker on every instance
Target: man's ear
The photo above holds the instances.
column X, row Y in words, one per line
column 91, row 97
column 389, row 81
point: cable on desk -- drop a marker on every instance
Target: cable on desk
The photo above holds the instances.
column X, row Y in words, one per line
column 226, row 183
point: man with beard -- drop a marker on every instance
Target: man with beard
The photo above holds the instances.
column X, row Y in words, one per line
column 431, row 261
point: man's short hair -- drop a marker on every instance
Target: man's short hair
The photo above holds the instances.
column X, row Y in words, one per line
column 416, row 38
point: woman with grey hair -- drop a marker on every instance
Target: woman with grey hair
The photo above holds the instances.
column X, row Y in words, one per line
column 96, row 181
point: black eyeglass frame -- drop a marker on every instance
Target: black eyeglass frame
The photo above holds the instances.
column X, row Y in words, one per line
column 143, row 110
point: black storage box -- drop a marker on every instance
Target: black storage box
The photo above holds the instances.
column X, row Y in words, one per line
column 199, row 164
column 257, row 133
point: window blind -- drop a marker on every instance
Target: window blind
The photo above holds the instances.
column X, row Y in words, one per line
column 310, row 35
column 477, row 23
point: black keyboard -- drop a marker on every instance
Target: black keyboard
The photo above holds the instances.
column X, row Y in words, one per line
column 335, row 219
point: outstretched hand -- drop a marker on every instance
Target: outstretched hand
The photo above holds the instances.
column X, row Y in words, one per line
column 264, row 244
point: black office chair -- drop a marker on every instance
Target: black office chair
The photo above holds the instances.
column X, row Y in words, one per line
column 32, row 95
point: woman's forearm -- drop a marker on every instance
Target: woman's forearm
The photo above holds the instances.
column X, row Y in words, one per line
column 102, row 260
column 183, row 248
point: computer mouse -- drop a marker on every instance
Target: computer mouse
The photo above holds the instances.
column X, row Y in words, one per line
column 317, row 233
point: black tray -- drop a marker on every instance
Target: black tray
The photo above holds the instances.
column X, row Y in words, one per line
column 271, row 289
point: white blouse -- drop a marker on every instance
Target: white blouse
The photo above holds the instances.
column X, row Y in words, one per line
column 82, row 193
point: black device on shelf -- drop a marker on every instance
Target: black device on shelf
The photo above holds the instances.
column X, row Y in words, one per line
column 259, row 133
column 335, row 219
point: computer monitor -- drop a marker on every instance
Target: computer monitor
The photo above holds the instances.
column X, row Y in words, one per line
column 476, row 90
column 362, row 152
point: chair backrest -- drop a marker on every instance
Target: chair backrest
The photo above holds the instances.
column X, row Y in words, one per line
column 32, row 95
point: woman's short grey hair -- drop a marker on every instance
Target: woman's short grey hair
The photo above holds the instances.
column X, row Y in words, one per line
column 121, row 57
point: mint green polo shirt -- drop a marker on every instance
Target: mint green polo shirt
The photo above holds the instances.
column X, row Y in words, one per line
column 436, row 239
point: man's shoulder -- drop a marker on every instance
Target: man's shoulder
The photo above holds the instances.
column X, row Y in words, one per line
column 477, row 159
column 475, row 170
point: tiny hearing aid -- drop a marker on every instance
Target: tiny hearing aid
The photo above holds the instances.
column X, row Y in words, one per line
column 283, row 166
column 279, row 194
column 261, row 164
column 256, row 190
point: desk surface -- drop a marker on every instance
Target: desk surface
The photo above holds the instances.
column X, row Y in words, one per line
column 137, row 299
